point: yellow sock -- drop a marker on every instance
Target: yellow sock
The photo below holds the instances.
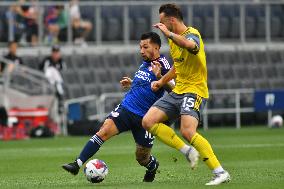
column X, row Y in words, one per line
column 205, row 150
column 167, row 135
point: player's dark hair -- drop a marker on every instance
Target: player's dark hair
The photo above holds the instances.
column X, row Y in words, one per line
column 154, row 37
column 171, row 10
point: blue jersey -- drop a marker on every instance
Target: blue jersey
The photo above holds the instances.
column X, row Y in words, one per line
column 140, row 96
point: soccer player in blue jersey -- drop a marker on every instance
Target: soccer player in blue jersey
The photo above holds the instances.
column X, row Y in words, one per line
column 128, row 115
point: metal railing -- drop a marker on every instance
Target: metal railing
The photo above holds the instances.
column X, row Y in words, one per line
column 23, row 87
column 237, row 110
column 34, row 80
column 103, row 109
column 24, row 80
column 126, row 6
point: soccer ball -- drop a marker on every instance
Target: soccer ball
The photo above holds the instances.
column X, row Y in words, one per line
column 96, row 170
column 276, row 121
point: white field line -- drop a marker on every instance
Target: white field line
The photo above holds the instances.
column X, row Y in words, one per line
column 249, row 145
column 119, row 148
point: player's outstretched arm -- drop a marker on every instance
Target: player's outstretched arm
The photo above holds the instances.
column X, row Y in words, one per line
column 177, row 39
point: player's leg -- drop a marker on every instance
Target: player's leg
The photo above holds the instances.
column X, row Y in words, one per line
column 163, row 109
column 188, row 131
column 144, row 142
column 152, row 122
column 189, row 122
column 114, row 124
column 145, row 159
column 107, row 130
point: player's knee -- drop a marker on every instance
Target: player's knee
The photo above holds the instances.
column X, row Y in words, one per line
column 103, row 134
column 107, row 131
column 147, row 123
column 142, row 156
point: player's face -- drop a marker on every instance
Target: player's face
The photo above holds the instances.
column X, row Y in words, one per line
column 147, row 50
column 167, row 21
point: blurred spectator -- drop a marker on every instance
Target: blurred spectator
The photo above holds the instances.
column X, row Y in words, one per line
column 13, row 23
column 24, row 21
column 29, row 16
column 52, row 66
column 56, row 22
column 11, row 57
column 80, row 27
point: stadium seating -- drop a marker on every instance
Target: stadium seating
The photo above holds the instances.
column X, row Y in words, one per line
column 140, row 20
column 112, row 23
column 91, row 73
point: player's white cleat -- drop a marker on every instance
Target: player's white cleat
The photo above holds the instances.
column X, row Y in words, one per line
column 192, row 156
column 219, row 178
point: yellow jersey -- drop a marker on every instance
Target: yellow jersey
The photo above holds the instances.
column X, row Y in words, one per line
column 190, row 67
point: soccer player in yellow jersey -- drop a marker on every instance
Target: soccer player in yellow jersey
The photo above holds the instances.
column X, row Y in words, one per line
column 189, row 96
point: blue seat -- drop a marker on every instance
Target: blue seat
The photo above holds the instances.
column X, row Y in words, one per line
column 74, row 112
column 255, row 17
column 198, row 24
column 203, row 20
column 235, row 27
column 112, row 26
column 139, row 21
column 225, row 27
column 260, row 22
column 209, row 29
column 276, row 27
column 277, row 21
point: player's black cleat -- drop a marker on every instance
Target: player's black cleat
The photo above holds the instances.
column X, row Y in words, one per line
column 150, row 175
column 72, row 168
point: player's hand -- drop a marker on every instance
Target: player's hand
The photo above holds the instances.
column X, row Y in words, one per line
column 125, row 82
column 156, row 68
column 156, row 85
column 163, row 28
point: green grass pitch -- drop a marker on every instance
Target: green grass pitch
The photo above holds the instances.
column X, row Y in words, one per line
column 253, row 156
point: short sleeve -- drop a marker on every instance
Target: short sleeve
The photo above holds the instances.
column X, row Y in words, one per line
column 195, row 38
column 166, row 66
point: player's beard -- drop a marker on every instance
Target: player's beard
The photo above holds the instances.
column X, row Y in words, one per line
column 150, row 57
column 146, row 58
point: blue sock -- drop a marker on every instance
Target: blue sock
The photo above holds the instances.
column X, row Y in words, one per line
column 90, row 148
column 152, row 163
